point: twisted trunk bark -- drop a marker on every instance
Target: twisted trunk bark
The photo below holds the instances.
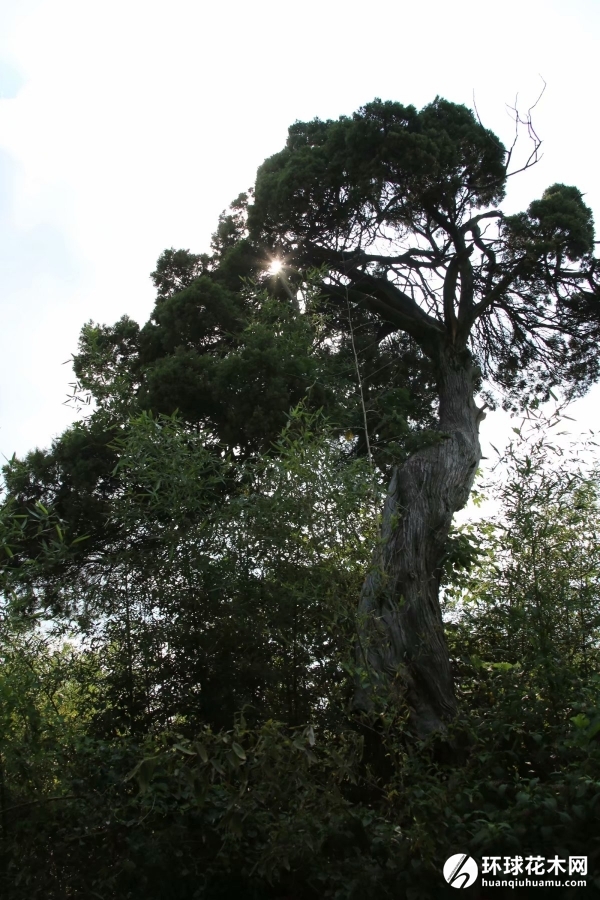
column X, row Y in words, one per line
column 401, row 636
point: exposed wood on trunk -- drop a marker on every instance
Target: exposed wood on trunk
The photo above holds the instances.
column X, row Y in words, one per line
column 401, row 634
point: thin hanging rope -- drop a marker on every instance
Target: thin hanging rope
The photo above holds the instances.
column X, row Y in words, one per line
column 360, row 386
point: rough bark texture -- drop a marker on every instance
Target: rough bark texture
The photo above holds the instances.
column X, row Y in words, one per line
column 401, row 636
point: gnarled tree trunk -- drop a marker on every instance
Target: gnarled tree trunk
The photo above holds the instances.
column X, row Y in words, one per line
column 401, row 636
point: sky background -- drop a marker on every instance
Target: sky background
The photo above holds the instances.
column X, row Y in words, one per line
column 127, row 127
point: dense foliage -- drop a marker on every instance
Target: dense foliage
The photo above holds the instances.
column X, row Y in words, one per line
column 403, row 208
column 181, row 645
column 182, row 728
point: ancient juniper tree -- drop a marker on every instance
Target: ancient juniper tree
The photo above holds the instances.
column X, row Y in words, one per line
column 401, row 209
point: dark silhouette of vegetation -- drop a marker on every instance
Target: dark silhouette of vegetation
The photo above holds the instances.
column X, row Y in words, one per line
column 194, row 704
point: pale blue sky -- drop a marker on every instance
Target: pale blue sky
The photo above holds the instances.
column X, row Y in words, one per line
column 10, row 81
column 127, row 126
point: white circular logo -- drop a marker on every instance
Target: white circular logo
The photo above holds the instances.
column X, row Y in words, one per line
column 460, row 870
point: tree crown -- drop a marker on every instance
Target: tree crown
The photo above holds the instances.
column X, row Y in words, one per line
column 402, row 208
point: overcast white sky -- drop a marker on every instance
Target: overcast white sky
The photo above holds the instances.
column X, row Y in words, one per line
column 126, row 127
